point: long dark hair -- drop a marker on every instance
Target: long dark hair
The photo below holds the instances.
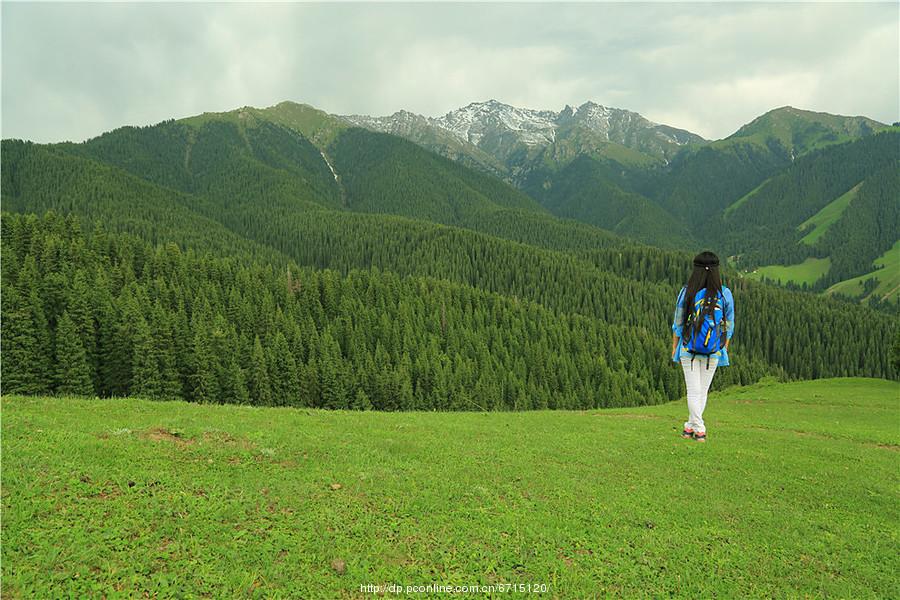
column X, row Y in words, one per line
column 705, row 275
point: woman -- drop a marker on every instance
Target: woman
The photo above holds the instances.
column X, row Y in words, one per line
column 702, row 333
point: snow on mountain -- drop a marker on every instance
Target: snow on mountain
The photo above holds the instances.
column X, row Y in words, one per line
column 472, row 122
column 495, row 126
column 401, row 122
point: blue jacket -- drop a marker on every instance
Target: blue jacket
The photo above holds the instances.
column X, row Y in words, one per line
column 728, row 309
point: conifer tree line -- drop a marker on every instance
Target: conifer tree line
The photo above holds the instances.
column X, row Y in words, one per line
column 107, row 314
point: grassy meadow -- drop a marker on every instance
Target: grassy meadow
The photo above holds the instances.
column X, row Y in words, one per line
column 794, row 495
column 808, row 272
column 828, row 216
column 887, row 276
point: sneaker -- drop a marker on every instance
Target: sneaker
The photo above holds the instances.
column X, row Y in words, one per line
column 699, row 436
column 687, row 433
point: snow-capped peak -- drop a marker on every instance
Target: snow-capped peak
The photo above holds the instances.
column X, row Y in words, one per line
column 498, row 127
column 472, row 122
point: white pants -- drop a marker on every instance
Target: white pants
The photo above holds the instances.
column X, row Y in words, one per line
column 697, row 378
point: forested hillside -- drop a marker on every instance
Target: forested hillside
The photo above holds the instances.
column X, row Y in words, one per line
column 786, row 220
column 617, row 170
column 106, row 313
column 800, row 131
column 225, row 168
column 764, row 225
column 37, row 178
column 754, row 195
column 701, row 182
column 587, row 189
column 198, row 238
column 250, row 159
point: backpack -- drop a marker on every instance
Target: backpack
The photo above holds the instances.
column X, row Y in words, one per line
column 705, row 336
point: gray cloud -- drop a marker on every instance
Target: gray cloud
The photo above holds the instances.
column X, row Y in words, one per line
column 71, row 71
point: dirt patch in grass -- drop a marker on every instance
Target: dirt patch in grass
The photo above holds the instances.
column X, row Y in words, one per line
column 891, row 447
column 109, row 491
column 161, row 434
column 568, row 561
column 106, row 495
column 223, row 437
column 226, row 439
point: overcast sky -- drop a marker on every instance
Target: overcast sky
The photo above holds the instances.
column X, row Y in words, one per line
column 72, row 71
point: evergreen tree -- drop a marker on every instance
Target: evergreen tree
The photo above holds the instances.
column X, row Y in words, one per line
column 165, row 355
column 79, row 307
column 204, row 376
column 259, row 389
column 146, row 379
column 895, row 352
column 73, row 372
column 22, row 373
column 283, row 373
column 332, row 381
column 234, row 387
column 361, row 401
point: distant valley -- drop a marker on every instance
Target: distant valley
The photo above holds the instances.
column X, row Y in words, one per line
column 750, row 194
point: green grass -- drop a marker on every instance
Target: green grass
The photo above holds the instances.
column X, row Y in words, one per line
column 887, row 274
column 803, row 130
column 743, row 199
column 794, row 495
column 809, row 271
column 825, row 218
column 571, row 142
column 317, row 126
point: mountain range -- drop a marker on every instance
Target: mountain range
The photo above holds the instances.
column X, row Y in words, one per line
column 204, row 257
column 512, row 136
column 746, row 195
column 613, row 168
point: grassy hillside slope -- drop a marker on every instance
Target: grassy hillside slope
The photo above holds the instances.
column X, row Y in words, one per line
column 808, row 272
column 793, row 495
column 819, row 223
column 586, row 189
column 801, row 131
column 786, row 203
column 885, row 278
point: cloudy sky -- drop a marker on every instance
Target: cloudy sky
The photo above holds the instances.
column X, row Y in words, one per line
column 71, row 71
